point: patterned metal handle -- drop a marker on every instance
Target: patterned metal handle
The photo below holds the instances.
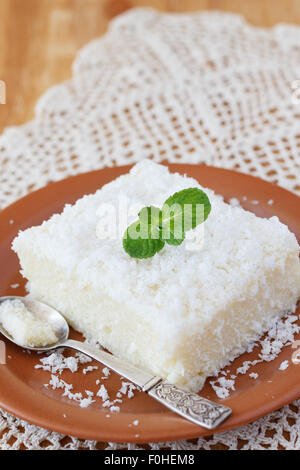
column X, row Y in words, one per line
column 191, row 406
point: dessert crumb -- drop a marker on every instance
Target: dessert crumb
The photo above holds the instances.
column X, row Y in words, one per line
column 253, row 375
column 106, row 371
column 14, row 286
column 115, row 409
column 89, row 369
column 284, row 365
column 234, row 202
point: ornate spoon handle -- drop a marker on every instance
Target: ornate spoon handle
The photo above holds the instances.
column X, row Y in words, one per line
column 191, row 406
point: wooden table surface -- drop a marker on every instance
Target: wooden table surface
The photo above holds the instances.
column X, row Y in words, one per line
column 39, row 38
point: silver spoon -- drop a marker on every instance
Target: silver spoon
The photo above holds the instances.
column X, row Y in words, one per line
column 191, row 406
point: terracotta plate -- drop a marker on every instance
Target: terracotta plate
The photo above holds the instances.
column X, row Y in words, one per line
column 22, row 390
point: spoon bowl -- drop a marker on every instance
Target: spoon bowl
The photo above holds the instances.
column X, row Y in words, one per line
column 45, row 313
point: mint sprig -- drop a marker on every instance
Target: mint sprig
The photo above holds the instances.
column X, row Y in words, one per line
column 181, row 212
column 142, row 239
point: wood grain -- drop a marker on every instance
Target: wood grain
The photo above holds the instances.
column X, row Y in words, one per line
column 39, row 38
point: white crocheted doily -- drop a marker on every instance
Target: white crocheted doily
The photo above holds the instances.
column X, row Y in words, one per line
column 204, row 87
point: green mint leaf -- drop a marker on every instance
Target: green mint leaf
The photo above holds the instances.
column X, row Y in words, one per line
column 141, row 247
column 142, row 238
column 150, row 215
column 174, row 239
column 182, row 212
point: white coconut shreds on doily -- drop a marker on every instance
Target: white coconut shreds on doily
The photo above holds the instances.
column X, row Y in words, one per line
column 203, row 87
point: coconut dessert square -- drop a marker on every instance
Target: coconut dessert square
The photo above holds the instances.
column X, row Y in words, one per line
column 182, row 314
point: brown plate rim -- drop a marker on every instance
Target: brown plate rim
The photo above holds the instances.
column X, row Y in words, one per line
column 28, row 404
